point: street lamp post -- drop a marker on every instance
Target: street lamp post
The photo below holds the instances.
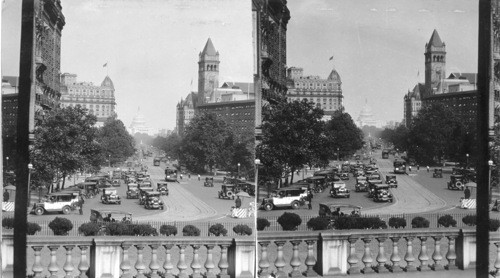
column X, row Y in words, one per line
column 239, row 170
column 490, row 164
column 30, row 167
column 257, row 162
column 338, row 154
column 7, row 162
column 467, row 160
column 109, row 160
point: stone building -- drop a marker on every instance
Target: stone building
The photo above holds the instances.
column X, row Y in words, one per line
column 208, row 72
column 270, row 20
column 10, row 91
column 457, row 91
column 325, row 93
column 99, row 100
column 239, row 114
column 185, row 112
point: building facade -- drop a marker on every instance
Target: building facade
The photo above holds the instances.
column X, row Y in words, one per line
column 239, row 115
column 208, row 72
column 458, row 90
column 10, row 92
column 185, row 112
column 98, row 100
column 325, row 93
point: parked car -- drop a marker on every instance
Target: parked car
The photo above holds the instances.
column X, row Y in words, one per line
column 132, row 191
column 153, row 200
column 456, row 182
column 336, row 209
column 104, row 217
column 292, row 197
column 88, row 189
column 162, row 187
column 228, row 191
column 142, row 194
column 110, row 196
column 339, row 190
column 381, row 193
column 344, row 176
column 361, row 184
column 63, row 202
column 391, row 181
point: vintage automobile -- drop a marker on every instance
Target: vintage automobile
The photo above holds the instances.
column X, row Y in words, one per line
column 336, row 209
column 110, row 196
column 102, row 181
column 381, row 193
column 228, row 191
column 246, row 187
column 116, row 182
column 371, row 186
column 456, row 182
column 292, row 197
column 144, row 183
column 88, row 189
column 209, row 182
column 142, row 194
column 104, row 217
column 359, row 173
column 361, row 184
column 318, row 183
column 374, row 176
column 391, row 181
column 153, row 200
column 162, row 187
column 132, row 191
column 63, row 202
column 339, row 190
column 438, row 173
column 344, row 176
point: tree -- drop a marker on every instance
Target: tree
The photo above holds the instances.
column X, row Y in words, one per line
column 435, row 133
column 170, row 145
column 291, row 137
column 208, row 141
column 116, row 143
column 64, row 145
column 399, row 137
column 342, row 136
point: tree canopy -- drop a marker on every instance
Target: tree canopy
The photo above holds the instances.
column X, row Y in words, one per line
column 65, row 143
column 116, row 143
column 342, row 135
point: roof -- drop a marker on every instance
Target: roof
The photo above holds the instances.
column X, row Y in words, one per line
column 105, row 211
column 12, row 80
column 107, row 83
column 435, row 40
column 246, row 87
column 341, row 205
column 334, row 75
column 471, row 77
column 417, row 92
column 209, row 49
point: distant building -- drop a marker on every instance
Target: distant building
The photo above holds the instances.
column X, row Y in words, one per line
column 208, row 72
column 367, row 118
column 185, row 112
column 239, row 115
column 139, row 125
column 457, row 91
column 325, row 93
column 99, row 100
column 10, row 92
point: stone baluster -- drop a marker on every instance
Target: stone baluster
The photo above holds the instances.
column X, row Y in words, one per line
column 168, row 265
column 53, row 267
column 68, row 265
column 367, row 257
column 84, row 264
column 423, row 257
column 37, row 265
column 264, row 260
column 353, row 259
column 451, row 255
column 395, row 258
column 140, row 266
column 381, row 258
column 125, row 265
column 436, row 256
column 209, row 264
column 409, row 258
column 496, row 273
column 280, row 263
column 195, row 264
column 310, row 260
column 181, row 264
column 295, row 261
column 154, row 265
column 223, row 263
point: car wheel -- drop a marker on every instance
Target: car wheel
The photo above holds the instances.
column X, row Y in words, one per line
column 66, row 209
column 39, row 211
column 268, row 206
column 295, row 205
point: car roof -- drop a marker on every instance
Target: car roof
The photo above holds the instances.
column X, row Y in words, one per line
column 162, row 182
column 382, row 185
column 152, row 192
column 106, row 211
column 63, row 193
column 340, row 205
column 316, row 178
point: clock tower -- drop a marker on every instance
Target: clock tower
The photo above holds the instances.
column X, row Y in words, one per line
column 435, row 64
column 208, row 72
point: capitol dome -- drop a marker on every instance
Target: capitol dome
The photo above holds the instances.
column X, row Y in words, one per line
column 366, row 117
column 107, row 83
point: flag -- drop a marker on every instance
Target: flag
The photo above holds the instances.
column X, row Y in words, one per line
column 105, row 65
column 331, row 58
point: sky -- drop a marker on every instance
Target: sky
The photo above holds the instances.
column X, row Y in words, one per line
column 378, row 45
column 151, row 48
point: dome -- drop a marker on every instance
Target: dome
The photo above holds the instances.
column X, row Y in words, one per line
column 107, row 83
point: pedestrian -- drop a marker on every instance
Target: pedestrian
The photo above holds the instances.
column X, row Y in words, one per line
column 237, row 202
column 6, row 196
column 199, row 178
column 418, row 167
column 80, row 204
column 409, row 168
column 181, row 176
column 309, row 199
column 427, row 169
column 467, row 193
column 189, row 176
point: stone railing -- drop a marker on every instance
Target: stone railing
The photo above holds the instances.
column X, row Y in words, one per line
column 358, row 252
column 63, row 256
